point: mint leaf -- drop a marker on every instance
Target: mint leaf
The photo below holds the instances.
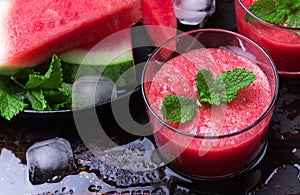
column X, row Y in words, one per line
column 37, row 99
column 266, row 10
column 293, row 20
column 10, row 106
column 59, row 98
column 277, row 12
column 225, row 87
column 11, row 103
column 234, row 81
column 204, row 84
column 205, row 87
column 178, row 109
column 51, row 79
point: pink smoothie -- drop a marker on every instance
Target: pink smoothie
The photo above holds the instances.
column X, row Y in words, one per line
column 211, row 157
column 282, row 45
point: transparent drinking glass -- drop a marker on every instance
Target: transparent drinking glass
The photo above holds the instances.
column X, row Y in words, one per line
column 282, row 43
column 217, row 150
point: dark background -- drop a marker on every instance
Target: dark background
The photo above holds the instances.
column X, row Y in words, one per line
column 277, row 173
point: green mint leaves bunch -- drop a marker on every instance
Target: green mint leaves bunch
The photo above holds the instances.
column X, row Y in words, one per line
column 277, row 12
column 38, row 88
column 223, row 89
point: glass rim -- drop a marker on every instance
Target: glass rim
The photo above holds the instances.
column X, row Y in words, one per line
column 263, row 21
column 263, row 116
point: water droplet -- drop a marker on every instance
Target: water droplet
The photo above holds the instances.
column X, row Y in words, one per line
column 64, row 189
column 94, row 188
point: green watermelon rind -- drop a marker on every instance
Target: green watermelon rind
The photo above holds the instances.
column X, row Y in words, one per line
column 72, row 72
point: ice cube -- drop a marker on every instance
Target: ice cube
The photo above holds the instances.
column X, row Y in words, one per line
column 196, row 5
column 48, row 160
column 91, row 90
column 194, row 12
column 191, row 17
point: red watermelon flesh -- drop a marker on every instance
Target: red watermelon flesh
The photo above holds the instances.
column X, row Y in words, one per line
column 31, row 31
column 159, row 19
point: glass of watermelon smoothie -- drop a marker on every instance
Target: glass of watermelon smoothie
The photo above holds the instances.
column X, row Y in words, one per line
column 281, row 39
column 218, row 141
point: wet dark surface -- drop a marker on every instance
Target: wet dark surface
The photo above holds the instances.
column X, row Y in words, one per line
column 277, row 173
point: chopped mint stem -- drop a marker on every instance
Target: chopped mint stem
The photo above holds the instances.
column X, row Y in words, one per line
column 17, row 82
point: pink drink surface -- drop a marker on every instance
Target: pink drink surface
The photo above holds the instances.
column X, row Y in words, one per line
column 211, row 157
column 282, row 45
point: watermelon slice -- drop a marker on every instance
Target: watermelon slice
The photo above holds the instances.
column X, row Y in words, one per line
column 159, row 19
column 31, row 31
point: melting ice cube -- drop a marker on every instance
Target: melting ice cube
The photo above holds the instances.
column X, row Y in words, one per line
column 91, row 90
column 49, row 159
column 194, row 12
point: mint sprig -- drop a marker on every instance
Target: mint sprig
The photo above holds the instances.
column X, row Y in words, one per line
column 223, row 89
column 277, row 12
column 31, row 88
column 52, row 79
